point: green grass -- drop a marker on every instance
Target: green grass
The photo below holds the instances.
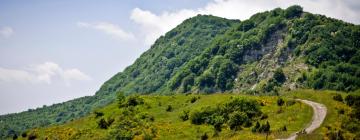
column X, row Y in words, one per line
column 168, row 125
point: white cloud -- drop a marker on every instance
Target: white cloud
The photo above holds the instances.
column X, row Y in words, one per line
column 42, row 73
column 111, row 29
column 153, row 25
column 6, row 32
column 74, row 74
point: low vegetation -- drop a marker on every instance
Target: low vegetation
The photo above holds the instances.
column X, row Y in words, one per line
column 220, row 116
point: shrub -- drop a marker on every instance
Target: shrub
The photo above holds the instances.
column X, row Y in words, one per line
column 120, row 98
column 283, row 128
column 338, row 97
column 341, row 111
column 265, row 128
column 123, row 135
column 204, row 136
column 279, row 76
column 98, row 114
column 236, row 119
column 185, row 115
column 110, row 121
column 290, row 102
column 132, row 101
column 293, row 11
column 217, row 122
column 197, row 117
column 145, row 116
column 352, row 100
column 23, row 134
column 32, row 136
column 270, row 86
column 280, row 102
column 169, row 108
column 236, row 113
column 250, row 107
column 103, row 124
column 335, row 134
column 15, row 137
column 256, row 127
column 264, row 116
column 193, row 99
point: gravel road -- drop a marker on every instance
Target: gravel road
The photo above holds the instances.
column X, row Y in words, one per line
column 318, row 117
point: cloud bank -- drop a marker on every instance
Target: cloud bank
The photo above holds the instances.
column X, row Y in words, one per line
column 154, row 25
column 42, row 73
column 111, row 29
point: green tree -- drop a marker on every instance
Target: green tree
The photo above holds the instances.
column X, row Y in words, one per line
column 293, row 11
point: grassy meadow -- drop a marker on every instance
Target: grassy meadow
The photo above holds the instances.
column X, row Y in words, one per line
column 155, row 120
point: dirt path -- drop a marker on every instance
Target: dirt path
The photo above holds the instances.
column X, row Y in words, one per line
column 317, row 119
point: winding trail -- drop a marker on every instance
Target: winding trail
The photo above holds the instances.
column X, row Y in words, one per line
column 318, row 117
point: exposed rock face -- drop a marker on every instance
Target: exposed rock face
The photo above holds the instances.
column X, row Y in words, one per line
column 265, row 60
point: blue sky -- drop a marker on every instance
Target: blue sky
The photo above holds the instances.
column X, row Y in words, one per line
column 52, row 51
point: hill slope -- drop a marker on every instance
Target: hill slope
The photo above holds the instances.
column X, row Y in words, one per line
column 271, row 51
column 185, row 41
column 184, row 117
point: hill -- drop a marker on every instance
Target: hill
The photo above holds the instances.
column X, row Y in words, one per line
column 272, row 51
column 184, row 117
column 215, row 116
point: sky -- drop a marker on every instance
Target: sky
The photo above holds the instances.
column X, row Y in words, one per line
column 52, row 51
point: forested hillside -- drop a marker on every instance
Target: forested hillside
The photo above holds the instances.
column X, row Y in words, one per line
column 185, row 41
column 281, row 49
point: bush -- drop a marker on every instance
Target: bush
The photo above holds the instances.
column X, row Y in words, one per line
column 217, row 122
column 236, row 119
column 264, row 116
column 169, row 108
column 283, row 128
column 110, row 121
column 293, row 11
column 236, row 113
column 204, row 136
column 132, row 101
column 23, row 134
column 270, row 86
column 204, row 116
column 256, row 127
column 341, row 111
column 120, row 98
column 98, row 114
column 103, row 124
column 279, row 76
column 145, row 116
column 193, row 99
column 290, row 102
column 338, row 97
column 124, row 135
column 280, row 102
column 185, row 115
column 352, row 100
column 265, row 128
column 32, row 136
column 15, row 137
